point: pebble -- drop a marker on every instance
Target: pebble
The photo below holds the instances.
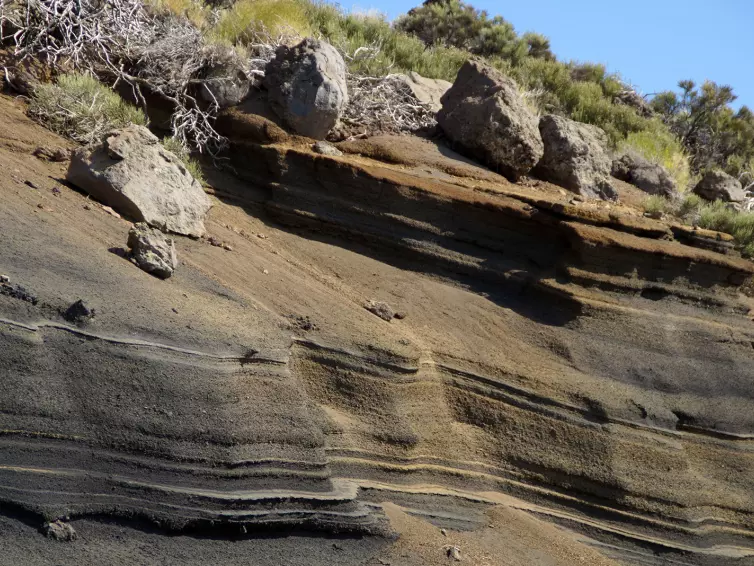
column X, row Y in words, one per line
column 4, row 279
column 110, row 211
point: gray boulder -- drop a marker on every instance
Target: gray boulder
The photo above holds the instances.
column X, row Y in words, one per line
column 486, row 118
column 152, row 251
column 718, row 185
column 427, row 91
column 225, row 81
column 575, row 157
column 650, row 177
column 307, row 87
column 134, row 174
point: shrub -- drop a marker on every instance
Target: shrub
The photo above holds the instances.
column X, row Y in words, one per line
column 660, row 146
column 655, row 206
column 373, row 47
column 719, row 216
column 193, row 10
column 175, row 146
column 689, row 207
column 81, row 108
column 247, row 19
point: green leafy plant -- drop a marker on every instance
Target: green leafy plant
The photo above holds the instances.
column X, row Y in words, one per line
column 82, row 108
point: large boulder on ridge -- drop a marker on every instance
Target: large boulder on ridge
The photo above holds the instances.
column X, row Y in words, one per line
column 307, row 87
column 133, row 173
column 718, row 185
column 651, row 178
column 575, row 157
column 486, row 118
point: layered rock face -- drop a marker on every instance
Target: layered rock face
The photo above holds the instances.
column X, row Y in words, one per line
column 580, row 361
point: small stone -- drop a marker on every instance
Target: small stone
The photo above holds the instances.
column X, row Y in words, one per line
column 151, row 251
column 214, row 242
column 78, row 312
column 381, row 309
column 56, row 191
column 400, row 315
column 227, row 247
column 57, row 154
column 455, row 553
column 261, row 236
column 87, row 207
column 265, row 272
column 443, row 532
column 4, row 279
column 60, row 531
column 325, row 148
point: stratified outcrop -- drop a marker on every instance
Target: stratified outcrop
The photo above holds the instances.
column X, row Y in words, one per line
column 575, row 358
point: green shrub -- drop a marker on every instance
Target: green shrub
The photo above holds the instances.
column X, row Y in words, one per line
column 722, row 218
column 655, row 206
column 81, row 108
column 193, row 10
column 247, row 19
column 376, row 48
column 175, row 146
column 659, row 146
column 689, row 207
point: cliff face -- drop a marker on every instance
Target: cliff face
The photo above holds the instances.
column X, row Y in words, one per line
column 577, row 361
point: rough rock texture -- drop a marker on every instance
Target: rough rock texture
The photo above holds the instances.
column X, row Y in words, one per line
column 152, row 251
column 486, row 118
column 566, row 363
column 381, row 309
column 651, row 178
column 133, row 173
column 718, row 185
column 325, row 148
column 60, row 531
column 575, row 157
column 227, row 83
column 427, row 91
column 307, row 87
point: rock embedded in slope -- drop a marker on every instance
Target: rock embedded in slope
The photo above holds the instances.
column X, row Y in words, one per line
column 651, row 178
column 486, row 118
column 60, row 531
column 325, row 148
column 151, row 251
column 134, row 174
column 575, row 157
column 226, row 82
column 718, row 185
column 427, row 91
column 307, row 87
column 381, row 309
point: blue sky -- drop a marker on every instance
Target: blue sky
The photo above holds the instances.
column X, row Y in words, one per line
column 651, row 43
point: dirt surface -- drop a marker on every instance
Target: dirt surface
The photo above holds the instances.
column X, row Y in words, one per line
column 555, row 363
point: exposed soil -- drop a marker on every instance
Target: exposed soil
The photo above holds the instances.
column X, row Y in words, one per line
column 559, row 363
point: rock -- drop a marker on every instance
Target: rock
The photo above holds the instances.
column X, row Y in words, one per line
column 718, row 185
column 454, row 552
column 18, row 292
column 57, row 154
column 651, row 178
column 326, row 148
column 78, row 312
column 60, row 531
column 629, row 97
column 486, row 118
column 575, row 157
column 134, row 174
column 381, row 309
column 226, row 82
column 427, row 91
column 307, row 86
column 151, row 251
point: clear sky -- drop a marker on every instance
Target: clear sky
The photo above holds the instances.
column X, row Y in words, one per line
column 652, row 43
